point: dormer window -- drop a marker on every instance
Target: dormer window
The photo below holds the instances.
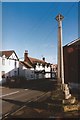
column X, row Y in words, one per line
column 47, row 65
column 39, row 64
column 34, row 65
column 43, row 65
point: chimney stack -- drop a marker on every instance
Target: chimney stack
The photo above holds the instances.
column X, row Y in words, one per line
column 43, row 58
column 25, row 55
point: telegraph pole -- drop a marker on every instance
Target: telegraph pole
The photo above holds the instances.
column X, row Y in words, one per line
column 59, row 18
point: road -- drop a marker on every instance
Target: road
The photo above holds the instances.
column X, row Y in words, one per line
column 14, row 98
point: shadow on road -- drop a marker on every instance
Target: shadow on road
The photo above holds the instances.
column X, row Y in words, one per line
column 41, row 108
column 16, row 102
column 40, row 85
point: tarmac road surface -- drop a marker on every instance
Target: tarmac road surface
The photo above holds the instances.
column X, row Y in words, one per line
column 13, row 98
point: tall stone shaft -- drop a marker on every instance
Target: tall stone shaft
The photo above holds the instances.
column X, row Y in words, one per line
column 59, row 18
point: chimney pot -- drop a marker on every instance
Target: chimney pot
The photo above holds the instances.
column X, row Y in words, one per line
column 25, row 55
column 43, row 58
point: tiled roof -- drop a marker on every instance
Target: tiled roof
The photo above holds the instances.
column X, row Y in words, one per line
column 30, row 62
column 26, row 64
column 7, row 53
column 34, row 60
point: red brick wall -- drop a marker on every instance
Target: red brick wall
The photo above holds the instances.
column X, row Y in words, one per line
column 72, row 63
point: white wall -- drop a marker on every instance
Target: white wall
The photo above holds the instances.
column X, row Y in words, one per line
column 39, row 67
column 47, row 69
column 8, row 67
column 29, row 73
column 26, row 72
column 21, row 70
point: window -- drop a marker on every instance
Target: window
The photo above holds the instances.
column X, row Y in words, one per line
column 43, row 65
column 31, row 76
column 53, row 69
column 47, row 65
column 38, row 65
column 3, row 61
column 3, row 74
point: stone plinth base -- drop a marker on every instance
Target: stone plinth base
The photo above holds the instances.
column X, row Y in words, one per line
column 66, row 91
column 71, row 100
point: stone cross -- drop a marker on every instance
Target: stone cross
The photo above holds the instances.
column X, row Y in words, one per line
column 64, row 86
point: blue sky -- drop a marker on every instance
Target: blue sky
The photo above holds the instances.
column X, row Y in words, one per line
column 32, row 26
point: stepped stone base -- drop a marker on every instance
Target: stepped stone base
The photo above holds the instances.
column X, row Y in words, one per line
column 65, row 100
column 71, row 108
column 69, row 102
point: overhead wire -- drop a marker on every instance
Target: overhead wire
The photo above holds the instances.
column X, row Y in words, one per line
column 69, row 10
column 42, row 20
column 66, row 14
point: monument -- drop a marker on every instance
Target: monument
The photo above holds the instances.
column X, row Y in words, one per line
column 64, row 86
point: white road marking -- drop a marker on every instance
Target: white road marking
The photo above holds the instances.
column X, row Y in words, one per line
column 9, row 94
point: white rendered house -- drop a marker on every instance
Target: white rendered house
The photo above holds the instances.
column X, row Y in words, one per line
column 33, row 68
column 26, row 70
column 9, row 65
